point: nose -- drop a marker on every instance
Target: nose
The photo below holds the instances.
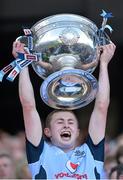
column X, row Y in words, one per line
column 66, row 124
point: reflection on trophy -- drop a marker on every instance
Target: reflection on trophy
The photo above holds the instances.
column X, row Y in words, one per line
column 67, row 49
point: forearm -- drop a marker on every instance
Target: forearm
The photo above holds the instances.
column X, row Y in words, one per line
column 26, row 93
column 103, row 94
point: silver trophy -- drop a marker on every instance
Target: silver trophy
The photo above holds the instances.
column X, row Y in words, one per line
column 69, row 54
column 67, row 47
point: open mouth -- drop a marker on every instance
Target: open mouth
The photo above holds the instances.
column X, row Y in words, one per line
column 66, row 135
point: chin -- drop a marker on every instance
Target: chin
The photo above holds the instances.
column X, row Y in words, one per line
column 67, row 146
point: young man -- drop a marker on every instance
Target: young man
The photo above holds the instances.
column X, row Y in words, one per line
column 62, row 157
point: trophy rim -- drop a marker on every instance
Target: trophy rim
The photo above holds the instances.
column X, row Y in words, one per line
column 44, row 21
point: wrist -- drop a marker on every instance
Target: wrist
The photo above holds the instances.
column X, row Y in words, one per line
column 103, row 64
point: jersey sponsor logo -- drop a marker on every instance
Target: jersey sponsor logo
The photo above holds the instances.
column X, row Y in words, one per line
column 66, row 175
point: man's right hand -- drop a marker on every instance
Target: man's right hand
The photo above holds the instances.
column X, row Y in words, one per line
column 18, row 47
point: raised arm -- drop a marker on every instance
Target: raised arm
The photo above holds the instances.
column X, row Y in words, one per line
column 32, row 120
column 97, row 124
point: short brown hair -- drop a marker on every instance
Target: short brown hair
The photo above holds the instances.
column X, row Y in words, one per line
column 50, row 115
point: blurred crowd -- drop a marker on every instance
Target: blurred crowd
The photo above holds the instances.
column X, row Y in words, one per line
column 13, row 161
column 113, row 164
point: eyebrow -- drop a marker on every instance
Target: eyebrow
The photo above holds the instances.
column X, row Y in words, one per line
column 61, row 119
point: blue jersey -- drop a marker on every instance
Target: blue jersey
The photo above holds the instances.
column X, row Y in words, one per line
column 50, row 162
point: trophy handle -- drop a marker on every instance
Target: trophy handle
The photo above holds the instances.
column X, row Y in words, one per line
column 103, row 38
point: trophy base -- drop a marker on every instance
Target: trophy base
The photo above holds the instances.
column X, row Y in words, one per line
column 69, row 89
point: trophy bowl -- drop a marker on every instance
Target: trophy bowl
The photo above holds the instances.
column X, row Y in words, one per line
column 68, row 45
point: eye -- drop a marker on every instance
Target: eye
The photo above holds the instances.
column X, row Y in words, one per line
column 60, row 122
column 71, row 122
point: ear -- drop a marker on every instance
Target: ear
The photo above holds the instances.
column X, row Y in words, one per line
column 47, row 132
